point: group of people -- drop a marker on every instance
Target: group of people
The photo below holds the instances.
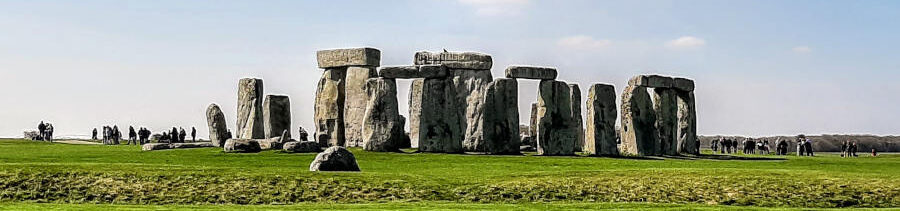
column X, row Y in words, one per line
column 804, row 146
column 747, row 146
column 848, row 149
column 724, row 145
column 178, row 136
column 111, row 135
column 141, row 137
column 46, row 132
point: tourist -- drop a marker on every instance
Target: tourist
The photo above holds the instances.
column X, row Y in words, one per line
column 844, row 148
column 303, row 134
column 714, row 144
column 42, row 128
column 808, row 145
column 193, row 134
column 874, row 153
column 853, row 148
column 173, row 135
column 49, row 131
column 132, row 136
column 181, row 135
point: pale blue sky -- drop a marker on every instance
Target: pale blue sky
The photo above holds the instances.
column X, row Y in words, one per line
column 761, row 67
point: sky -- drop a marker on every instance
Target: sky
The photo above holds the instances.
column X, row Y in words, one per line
column 761, row 67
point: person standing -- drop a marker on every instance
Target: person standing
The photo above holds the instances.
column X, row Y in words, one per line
column 808, row 145
column 193, row 134
column 49, row 132
column 42, row 128
column 173, row 135
column 304, row 136
column 94, row 134
column 132, row 136
column 181, row 135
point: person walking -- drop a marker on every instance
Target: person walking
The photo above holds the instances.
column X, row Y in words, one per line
column 132, row 136
column 94, row 134
column 193, row 134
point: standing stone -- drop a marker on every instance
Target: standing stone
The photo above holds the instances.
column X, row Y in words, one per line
column 438, row 127
column 600, row 138
column 277, row 115
column 532, row 127
column 383, row 125
column 355, row 103
column 556, row 128
column 576, row 115
column 334, row 159
column 249, row 112
column 470, row 74
column 638, row 134
column 497, row 131
column 218, row 132
column 329, row 108
column 666, row 120
column 688, row 143
column 415, row 110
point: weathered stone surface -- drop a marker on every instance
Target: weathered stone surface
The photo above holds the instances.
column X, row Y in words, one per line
column 334, row 158
column 438, row 127
column 165, row 146
column 526, row 148
column 348, row 57
column 496, row 130
column 688, row 143
column 329, row 108
column 666, row 120
column 276, row 115
column 600, row 137
column 249, row 110
column 301, row 147
column 404, row 139
column 455, row 60
column 556, row 128
column 531, row 72
column 638, row 134
column 414, row 71
column 533, row 124
column 383, row 125
column 415, row 110
column 355, row 103
column 575, row 93
column 683, row 84
column 270, row 143
column 218, row 131
column 653, row 81
column 469, row 87
column 242, row 146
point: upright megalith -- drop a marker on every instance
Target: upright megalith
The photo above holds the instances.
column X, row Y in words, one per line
column 341, row 96
column 277, row 115
column 600, row 137
column 249, row 110
column 576, row 116
column 497, row 128
column 438, row 128
column 556, row 133
column 532, row 125
column 382, row 123
column 218, row 131
column 355, row 98
column 638, row 132
column 688, row 143
column 470, row 73
column 329, row 108
column 666, row 120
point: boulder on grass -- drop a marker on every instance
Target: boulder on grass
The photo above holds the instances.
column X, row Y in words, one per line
column 334, row 158
column 242, row 146
column 301, row 146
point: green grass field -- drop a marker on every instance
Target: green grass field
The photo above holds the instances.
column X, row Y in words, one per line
column 44, row 176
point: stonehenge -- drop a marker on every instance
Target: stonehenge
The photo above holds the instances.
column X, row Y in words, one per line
column 249, row 111
column 456, row 106
column 600, row 134
column 665, row 125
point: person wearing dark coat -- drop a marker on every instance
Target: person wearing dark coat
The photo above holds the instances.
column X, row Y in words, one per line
column 42, row 128
column 193, row 134
column 132, row 136
column 181, row 135
column 94, row 134
column 173, row 135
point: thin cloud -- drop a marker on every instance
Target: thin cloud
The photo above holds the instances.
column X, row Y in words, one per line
column 497, row 7
column 582, row 42
column 686, row 42
column 802, row 49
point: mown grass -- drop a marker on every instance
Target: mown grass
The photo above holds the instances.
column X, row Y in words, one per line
column 38, row 172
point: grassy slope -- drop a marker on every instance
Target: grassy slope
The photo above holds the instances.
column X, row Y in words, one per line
column 59, row 173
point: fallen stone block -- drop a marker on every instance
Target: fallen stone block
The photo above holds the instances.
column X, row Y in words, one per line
column 531, row 72
column 334, row 158
column 301, row 147
column 242, row 146
column 348, row 57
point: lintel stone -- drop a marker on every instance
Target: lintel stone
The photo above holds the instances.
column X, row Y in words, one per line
column 531, row 72
column 348, row 57
column 684, row 84
column 414, row 71
column 652, row 81
column 455, row 60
